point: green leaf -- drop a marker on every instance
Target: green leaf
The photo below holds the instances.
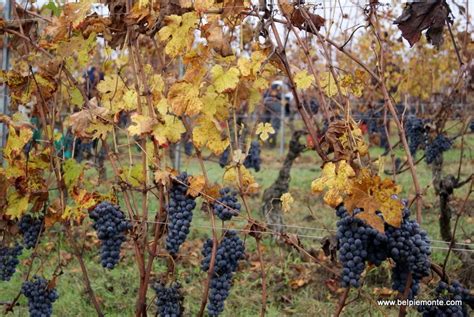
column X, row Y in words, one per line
column 72, row 172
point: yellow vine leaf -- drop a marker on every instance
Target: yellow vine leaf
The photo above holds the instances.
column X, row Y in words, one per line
column 251, row 66
column 73, row 172
column 206, row 133
column 169, row 131
column 328, row 84
column 162, row 177
column 17, row 141
column 264, row 130
column 133, row 175
column 203, row 5
column 141, row 124
column 225, row 81
column 286, row 202
column 17, row 204
column 249, row 185
column 334, row 178
column 303, row 80
column 373, row 194
column 178, row 32
column 196, row 185
column 184, row 99
column 216, row 105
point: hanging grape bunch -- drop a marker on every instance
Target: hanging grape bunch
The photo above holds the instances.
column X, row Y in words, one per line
column 180, row 213
column 409, row 248
column 111, row 225
column 445, row 292
column 435, row 148
column 31, row 229
column 9, row 261
column 226, row 206
column 40, row 297
column 224, row 158
column 229, row 252
column 169, row 300
column 358, row 243
column 252, row 160
column 415, row 131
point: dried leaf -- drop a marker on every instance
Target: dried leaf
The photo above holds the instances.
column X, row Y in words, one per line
column 424, row 15
column 196, row 185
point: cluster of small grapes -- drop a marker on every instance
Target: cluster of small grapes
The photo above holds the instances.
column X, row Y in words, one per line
column 409, row 247
column 111, row 225
column 226, row 206
column 9, row 261
column 229, row 252
column 224, row 158
column 30, row 228
column 435, row 148
column 445, row 292
column 188, row 148
column 40, row 297
column 169, row 300
column 253, row 158
column 358, row 243
column 415, row 131
column 180, row 213
column 471, row 126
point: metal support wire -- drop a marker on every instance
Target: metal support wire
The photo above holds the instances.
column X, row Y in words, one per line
column 4, row 99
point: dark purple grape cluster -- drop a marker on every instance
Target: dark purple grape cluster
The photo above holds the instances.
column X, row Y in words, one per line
column 40, row 297
column 409, row 247
column 253, row 160
column 111, row 225
column 471, row 126
column 445, row 292
column 435, row 148
column 226, row 206
column 9, row 261
column 188, row 148
column 415, row 131
column 31, row 229
column 224, row 158
column 169, row 300
column 180, row 213
column 358, row 243
column 229, row 252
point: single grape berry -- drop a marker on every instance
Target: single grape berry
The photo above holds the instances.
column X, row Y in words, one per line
column 40, row 297
column 110, row 225
column 31, row 229
column 229, row 252
column 252, row 160
column 180, row 213
column 169, row 300
column 226, row 206
column 9, row 261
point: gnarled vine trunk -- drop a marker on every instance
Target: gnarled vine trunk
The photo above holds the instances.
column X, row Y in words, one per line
column 444, row 188
column 271, row 204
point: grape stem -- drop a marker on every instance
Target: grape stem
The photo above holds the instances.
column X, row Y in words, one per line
column 86, row 279
column 342, row 301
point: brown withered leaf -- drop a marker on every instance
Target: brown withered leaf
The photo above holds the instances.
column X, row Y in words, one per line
column 419, row 16
column 297, row 18
column 196, row 185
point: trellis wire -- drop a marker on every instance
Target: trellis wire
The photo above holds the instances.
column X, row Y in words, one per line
column 275, row 233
